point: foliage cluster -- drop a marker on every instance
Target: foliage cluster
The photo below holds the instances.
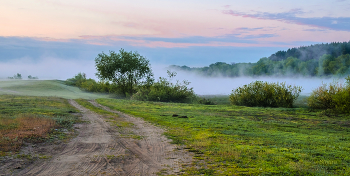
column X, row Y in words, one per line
column 237, row 140
column 91, row 85
column 326, row 65
column 128, row 70
column 315, row 60
column 32, row 77
column 31, row 118
column 334, row 97
column 131, row 76
column 17, row 76
column 165, row 91
column 265, row 94
column 335, row 49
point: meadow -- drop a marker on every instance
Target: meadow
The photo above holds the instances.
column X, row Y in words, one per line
column 250, row 140
column 226, row 139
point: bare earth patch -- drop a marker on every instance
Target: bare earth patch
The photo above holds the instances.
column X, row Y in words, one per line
column 100, row 149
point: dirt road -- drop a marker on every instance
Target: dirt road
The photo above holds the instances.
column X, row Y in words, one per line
column 100, row 149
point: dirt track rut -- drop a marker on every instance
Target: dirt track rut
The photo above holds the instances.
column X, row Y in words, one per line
column 99, row 149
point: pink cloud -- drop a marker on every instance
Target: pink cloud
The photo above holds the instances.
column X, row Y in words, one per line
column 112, row 40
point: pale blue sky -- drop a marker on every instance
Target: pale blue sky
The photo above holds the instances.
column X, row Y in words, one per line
column 193, row 33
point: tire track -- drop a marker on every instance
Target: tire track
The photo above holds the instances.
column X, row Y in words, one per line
column 154, row 150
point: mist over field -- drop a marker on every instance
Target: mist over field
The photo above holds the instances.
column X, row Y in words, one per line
column 53, row 68
column 48, row 68
column 223, row 86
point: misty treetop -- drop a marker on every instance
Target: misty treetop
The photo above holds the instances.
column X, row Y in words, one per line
column 306, row 53
column 315, row 60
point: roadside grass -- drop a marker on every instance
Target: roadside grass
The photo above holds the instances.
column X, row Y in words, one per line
column 122, row 126
column 24, row 118
column 55, row 88
column 217, row 99
column 237, row 140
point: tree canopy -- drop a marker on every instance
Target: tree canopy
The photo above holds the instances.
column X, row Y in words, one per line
column 315, row 60
column 127, row 69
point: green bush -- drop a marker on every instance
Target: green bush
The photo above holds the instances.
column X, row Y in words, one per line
column 77, row 80
column 334, row 97
column 265, row 94
column 165, row 91
column 91, row 85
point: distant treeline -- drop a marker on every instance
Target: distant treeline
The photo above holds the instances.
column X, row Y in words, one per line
column 19, row 76
column 315, row 60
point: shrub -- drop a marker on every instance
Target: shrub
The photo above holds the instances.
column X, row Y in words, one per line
column 18, row 76
column 77, row 80
column 334, row 97
column 165, row 91
column 90, row 85
column 323, row 96
column 32, row 77
column 265, row 94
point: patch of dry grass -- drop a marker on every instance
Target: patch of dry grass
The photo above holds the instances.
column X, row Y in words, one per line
column 26, row 126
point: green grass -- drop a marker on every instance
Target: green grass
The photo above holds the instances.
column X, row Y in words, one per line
column 237, row 140
column 45, row 88
column 12, row 105
column 218, row 99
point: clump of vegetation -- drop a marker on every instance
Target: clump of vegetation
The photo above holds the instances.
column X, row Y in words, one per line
column 334, row 97
column 77, row 80
column 17, row 76
column 265, row 94
column 32, row 77
column 165, row 91
column 91, row 85
column 128, row 70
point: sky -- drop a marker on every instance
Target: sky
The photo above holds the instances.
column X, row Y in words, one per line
column 47, row 35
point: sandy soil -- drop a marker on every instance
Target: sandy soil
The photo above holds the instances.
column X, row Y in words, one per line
column 100, row 149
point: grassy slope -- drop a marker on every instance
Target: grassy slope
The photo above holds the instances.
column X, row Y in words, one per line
column 45, row 88
column 251, row 141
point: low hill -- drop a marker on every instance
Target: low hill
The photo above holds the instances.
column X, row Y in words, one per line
column 45, row 88
column 321, row 60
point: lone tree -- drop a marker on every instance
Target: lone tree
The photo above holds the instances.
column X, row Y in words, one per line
column 127, row 69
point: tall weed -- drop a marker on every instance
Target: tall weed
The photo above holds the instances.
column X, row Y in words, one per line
column 334, row 97
column 265, row 94
column 165, row 91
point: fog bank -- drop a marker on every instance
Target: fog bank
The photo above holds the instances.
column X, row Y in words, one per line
column 54, row 68
column 48, row 68
column 224, row 86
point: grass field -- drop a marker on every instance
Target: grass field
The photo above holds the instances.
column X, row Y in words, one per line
column 251, row 141
column 45, row 88
column 31, row 118
column 226, row 139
